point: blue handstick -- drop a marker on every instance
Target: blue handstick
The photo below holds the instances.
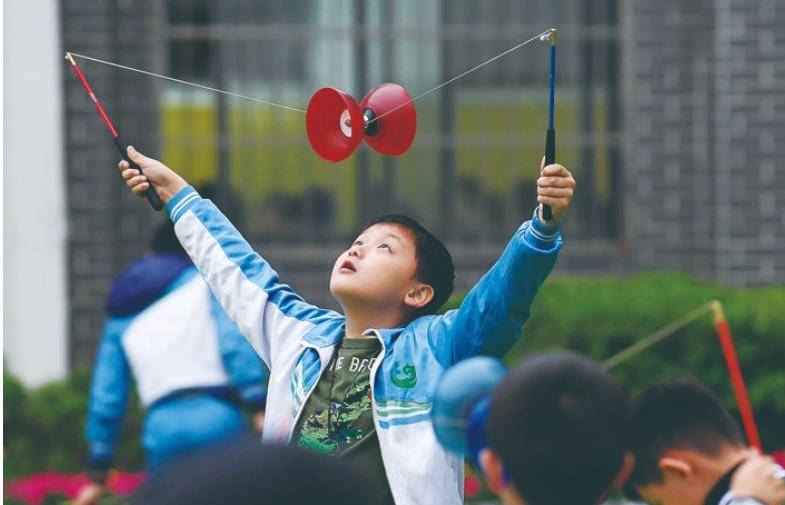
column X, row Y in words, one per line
column 550, row 136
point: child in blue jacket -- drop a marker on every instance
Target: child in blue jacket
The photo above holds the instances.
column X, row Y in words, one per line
column 359, row 385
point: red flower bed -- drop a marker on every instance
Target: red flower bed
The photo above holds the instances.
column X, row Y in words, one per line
column 35, row 488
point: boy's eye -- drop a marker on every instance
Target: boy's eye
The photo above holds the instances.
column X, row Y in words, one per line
column 358, row 242
column 385, row 246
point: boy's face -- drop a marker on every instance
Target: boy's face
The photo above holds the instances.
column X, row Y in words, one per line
column 378, row 270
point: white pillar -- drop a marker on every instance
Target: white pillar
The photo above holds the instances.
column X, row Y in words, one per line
column 35, row 320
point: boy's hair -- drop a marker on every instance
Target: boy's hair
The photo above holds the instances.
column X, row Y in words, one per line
column 434, row 262
column 561, row 426
column 243, row 472
column 682, row 414
column 165, row 241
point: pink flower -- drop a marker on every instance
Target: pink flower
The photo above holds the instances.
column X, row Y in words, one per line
column 35, row 488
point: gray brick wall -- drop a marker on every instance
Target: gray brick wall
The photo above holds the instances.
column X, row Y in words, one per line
column 667, row 115
column 107, row 226
column 750, row 141
column 704, row 134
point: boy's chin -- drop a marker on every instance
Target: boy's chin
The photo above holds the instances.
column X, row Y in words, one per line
column 344, row 291
column 351, row 294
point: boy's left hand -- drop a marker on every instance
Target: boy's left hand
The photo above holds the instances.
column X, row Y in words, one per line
column 555, row 187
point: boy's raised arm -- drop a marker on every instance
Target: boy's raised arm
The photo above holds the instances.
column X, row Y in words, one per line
column 266, row 311
column 490, row 318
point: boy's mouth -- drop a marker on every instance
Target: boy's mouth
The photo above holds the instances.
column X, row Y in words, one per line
column 348, row 266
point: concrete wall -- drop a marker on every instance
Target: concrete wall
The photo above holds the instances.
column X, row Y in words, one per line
column 34, row 220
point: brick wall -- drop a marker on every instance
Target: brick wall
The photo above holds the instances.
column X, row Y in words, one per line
column 749, row 177
column 668, row 109
column 704, row 132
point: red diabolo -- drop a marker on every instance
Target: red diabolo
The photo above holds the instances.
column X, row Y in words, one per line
column 336, row 124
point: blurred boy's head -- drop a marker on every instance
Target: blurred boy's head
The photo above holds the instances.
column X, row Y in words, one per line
column 394, row 265
column 164, row 239
column 244, row 472
column 558, row 433
column 684, row 441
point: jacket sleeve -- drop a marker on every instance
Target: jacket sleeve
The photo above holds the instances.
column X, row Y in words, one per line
column 246, row 371
column 489, row 320
column 108, row 395
column 267, row 312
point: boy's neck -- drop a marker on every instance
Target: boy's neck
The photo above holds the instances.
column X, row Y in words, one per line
column 358, row 321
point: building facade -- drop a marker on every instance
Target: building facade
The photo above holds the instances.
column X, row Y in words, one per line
column 671, row 114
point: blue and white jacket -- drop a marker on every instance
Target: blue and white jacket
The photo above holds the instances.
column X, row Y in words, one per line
column 167, row 330
column 296, row 340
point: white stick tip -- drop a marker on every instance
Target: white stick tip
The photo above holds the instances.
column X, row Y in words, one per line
column 549, row 36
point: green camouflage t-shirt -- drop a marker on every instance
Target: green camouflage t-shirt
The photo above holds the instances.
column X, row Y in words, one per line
column 337, row 418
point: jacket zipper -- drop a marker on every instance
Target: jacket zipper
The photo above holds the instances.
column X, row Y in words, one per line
column 312, row 388
column 373, row 408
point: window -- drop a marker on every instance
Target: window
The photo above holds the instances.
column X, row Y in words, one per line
column 470, row 173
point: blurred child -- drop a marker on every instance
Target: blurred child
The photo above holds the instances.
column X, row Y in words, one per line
column 689, row 451
column 558, row 432
column 192, row 367
column 246, row 473
column 359, row 384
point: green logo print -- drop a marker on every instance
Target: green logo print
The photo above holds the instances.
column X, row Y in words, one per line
column 406, row 380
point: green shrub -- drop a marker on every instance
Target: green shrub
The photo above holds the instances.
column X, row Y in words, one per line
column 601, row 316
column 44, row 428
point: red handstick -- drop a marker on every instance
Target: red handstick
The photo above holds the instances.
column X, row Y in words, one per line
column 150, row 193
column 89, row 90
column 734, row 370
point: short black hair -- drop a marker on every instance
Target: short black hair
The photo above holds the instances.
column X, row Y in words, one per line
column 434, row 262
column 561, row 426
column 165, row 241
column 245, row 472
column 680, row 414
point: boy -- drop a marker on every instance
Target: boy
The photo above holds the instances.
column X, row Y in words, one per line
column 359, row 385
column 558, row 432
column 689, row 451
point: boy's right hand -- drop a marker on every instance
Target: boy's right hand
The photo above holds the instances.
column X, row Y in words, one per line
column 165, row 181
column 757, row 478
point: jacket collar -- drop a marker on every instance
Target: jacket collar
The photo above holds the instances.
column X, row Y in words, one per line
column 721, row 487
column 332, row 334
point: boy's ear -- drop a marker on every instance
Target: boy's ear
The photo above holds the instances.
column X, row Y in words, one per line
column 624, row 472
column 675, row 466
column 493, row 469
column 419, row 296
